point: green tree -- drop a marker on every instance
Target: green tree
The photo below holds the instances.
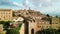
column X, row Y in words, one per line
column 56, row 16
column 12, row 31
column 47, row 31
column 48, row 15
column 13, row 14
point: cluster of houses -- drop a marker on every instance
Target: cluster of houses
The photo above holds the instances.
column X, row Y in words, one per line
column 31, row 20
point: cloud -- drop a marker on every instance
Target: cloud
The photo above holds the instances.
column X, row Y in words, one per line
column 25, row 3
column 9, row 3
column 17, row 4
column 39, row 3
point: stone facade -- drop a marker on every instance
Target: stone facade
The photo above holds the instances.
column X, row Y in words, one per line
column 55, row 20
column 5, row 14
column 55, row 23
column 35, row 26
column 22, row 29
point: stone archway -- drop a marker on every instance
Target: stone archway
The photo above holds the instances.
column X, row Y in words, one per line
column 32, row 31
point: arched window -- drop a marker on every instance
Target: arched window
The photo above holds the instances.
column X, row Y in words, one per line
column 0, row 18
column 32, row 31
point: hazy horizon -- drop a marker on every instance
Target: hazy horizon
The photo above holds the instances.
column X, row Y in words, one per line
column 51, row 7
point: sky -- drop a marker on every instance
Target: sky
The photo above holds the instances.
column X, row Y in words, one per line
column 51, row 7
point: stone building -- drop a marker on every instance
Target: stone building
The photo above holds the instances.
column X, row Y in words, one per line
column 33, row 24
column 33, row 27
column 55, row 20
column 36, row 21
column 55, row 23
column 21, row 12
column 5, row 14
